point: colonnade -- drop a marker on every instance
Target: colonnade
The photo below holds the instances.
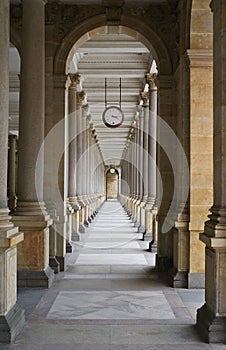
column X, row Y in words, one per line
column 139, row 174
column 60, row 178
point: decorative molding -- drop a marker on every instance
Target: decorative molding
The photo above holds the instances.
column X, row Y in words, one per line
column 70, row 15
column 51, row 11
column 200, row 58
column 113, row 11
column 164, row 20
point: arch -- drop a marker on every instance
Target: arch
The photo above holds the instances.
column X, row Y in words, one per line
column 15, row 38
column 97, row 25
column 112, row 185
column 111, row 167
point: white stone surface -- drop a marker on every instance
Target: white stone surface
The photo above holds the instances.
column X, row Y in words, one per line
column 111, row 305
column 112, row 259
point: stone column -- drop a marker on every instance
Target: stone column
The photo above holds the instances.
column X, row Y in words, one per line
column 72, row 190
column 151, row 205
column 141, row 168
column 31, row 216
column 164, row 258
column 201, row 158
column 89, row 144
column 144, row 97
column 12, row 173
column 79, row 178
column 132, row 172
column 211, row 317
column 137, row 145
column 11, row 315
column 92, row 162
column 85, row 110
column 55, row 193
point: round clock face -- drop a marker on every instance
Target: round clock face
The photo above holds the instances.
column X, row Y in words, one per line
column 113, row 116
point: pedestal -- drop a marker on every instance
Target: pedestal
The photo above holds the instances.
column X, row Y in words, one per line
column 33, row 252
column 11, row 315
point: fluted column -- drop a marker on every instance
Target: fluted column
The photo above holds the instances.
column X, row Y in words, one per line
column 30, row 215
column 72, row 166
column 211, row 318
column 11, row 315
column 12, row 173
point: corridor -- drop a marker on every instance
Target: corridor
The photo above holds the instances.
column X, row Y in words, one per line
column 109, row 297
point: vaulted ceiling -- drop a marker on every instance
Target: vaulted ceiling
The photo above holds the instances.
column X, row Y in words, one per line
column 111, row 57
column 103, row 58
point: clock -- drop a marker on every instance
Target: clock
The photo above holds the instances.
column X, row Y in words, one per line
column 113, row 116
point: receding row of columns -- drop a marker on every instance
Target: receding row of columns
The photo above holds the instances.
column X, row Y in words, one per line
column 139, row 173
column 34, row 217
column 56, row 201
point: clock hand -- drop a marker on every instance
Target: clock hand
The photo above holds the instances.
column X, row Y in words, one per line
column 114, row 116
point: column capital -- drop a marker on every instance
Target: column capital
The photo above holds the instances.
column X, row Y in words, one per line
column 151, row 80
column 85, row 110
column 144, row 96
column 12, row 138
column 75, row 79
column 80, row 96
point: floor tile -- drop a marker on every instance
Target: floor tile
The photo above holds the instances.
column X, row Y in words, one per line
column 111, row 305
column 119, row 259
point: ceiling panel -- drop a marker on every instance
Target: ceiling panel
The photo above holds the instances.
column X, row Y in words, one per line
column 113, row 57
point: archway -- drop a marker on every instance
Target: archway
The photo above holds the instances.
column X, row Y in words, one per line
column 112, row 184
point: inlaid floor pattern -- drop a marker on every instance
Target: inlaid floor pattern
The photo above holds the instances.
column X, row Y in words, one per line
column 110, row 297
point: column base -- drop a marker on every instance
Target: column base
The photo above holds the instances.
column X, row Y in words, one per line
column 86, row 223
column 178, row 279
column 61, row 261
column 75, row 236
column 34, row 278
column 196, row 280
column 90, row 219
column 11, row 324
column 142, row 229
column 163, row 263
column 82, row 228
column 153, row 246
column 211, row 328
column 69, row 248
column 147, row 236
column 54, row 264
column 136, row 224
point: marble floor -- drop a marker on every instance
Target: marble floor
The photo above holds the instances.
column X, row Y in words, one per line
column 110, row 297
